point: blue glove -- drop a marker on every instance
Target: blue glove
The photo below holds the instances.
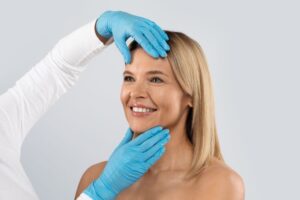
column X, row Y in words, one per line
column 122, row 25
column 128, row 163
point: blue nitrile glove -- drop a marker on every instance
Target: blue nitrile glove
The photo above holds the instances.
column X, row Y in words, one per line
column 128, row 163
column 122, row 25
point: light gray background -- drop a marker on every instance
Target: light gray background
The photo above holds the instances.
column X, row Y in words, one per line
column 252, row 50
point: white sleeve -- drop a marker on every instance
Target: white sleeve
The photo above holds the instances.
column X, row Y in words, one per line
column 32, row 95
column 83, row 196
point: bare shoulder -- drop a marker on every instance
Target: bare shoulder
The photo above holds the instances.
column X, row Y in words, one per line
column 220, row 182
column 88, row 176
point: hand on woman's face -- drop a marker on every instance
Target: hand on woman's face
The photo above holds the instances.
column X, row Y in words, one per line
column 151, row 83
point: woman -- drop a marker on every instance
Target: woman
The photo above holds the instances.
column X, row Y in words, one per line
column 26, row 102
column 174, row 92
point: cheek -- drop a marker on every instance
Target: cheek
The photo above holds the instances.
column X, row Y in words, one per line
column 170, row 107
column 123, row 96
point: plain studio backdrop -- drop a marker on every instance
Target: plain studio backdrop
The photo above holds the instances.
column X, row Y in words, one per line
column 252, row 50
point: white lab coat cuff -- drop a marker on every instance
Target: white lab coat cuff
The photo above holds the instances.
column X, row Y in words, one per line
column 83, row 196
column 77, row 48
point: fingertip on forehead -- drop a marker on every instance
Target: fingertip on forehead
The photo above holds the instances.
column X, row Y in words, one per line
column 139, row 56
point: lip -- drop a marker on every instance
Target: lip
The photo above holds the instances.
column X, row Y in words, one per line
column 140, row 105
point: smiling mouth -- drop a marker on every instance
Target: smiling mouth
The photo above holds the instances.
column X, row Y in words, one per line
column 142, row 110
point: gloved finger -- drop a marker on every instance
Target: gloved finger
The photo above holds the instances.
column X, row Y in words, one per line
column 121, row 44
column 153, row 140
column 153, row 24
column 146, row 135
column 127, row 137
column 154, row 43
column 156, row 156
column 160, row 31
column 148, row 154
column 161, row 41
column 139, row 38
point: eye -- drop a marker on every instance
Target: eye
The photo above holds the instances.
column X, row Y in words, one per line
column 153, row 79
column 157, row 79
column 127, row 78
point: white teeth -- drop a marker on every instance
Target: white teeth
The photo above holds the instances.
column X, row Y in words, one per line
column 137, row 109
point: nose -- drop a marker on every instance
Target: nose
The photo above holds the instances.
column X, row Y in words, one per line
column 138, row 90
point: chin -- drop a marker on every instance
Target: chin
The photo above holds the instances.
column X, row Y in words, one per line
column 140, row 128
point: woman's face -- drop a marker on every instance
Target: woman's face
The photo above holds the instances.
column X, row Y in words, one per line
column 150, row 83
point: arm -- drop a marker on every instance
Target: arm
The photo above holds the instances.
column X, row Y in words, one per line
column 24, row 104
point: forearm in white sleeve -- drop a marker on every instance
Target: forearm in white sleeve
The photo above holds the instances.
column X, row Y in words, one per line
column 22, row 105
column 32, row 95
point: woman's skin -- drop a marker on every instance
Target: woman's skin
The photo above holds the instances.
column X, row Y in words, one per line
column 164, row 180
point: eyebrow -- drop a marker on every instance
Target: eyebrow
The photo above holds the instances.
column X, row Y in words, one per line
column 148, row 72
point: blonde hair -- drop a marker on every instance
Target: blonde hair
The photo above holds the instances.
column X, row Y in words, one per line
column 190, row 68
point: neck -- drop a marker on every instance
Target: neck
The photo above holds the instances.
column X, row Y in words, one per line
column 178, row 154
column 179, row 151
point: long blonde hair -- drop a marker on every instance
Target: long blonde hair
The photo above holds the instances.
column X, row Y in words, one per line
column 190, row 68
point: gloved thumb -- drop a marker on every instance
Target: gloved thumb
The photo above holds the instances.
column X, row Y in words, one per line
column 121, row 44
column 127, row 137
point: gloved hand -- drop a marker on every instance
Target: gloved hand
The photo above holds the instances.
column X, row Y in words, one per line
column 129, row 162
column 122, row 25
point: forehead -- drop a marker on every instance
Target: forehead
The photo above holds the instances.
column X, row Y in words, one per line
column 143, row 62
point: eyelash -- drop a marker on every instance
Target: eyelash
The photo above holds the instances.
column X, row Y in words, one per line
column 125, row 78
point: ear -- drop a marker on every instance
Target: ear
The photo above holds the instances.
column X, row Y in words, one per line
column 190, row 102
